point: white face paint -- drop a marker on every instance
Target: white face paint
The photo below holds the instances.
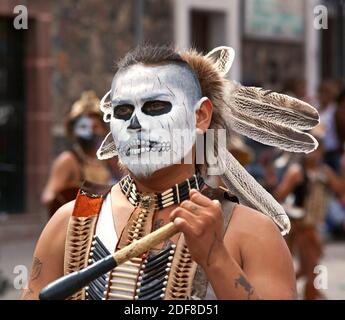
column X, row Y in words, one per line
column 153, row 106
column 83, row 127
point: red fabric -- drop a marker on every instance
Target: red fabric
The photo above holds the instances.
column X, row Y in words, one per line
column 86, row 206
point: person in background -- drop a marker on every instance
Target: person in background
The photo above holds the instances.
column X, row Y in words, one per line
column 327, row 109
column 306, row 184
column 86, row 131
column 296, row 87
column 340, row 119
column 269, row 176
column 335, row 219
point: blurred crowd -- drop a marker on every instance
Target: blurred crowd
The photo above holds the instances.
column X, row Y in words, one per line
column 311, row 187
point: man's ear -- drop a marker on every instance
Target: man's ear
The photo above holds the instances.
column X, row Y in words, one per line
column 204, row 114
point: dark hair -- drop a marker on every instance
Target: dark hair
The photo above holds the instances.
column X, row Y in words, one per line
column 150, row 55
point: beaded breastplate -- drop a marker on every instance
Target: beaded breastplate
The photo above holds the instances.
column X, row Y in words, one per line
column 165, row 273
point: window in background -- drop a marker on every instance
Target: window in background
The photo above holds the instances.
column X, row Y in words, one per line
column 207, row 29
column 12, row 117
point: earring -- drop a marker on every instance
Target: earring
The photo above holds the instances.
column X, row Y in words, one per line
column 199, row 131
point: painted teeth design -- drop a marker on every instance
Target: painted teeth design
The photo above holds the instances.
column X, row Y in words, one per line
column 137, row 146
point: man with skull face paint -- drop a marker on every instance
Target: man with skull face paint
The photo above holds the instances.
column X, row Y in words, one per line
column 155, row 93
column 149, row 104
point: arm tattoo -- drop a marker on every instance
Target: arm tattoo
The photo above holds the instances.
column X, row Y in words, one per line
column 242, row 281
column 35, row 273
column 36, row 269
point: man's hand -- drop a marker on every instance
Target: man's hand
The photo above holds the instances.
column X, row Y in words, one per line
column 264, row 269
column 201, row 221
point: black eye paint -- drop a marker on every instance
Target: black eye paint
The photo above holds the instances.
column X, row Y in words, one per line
column 123, row 111
column 156, row 107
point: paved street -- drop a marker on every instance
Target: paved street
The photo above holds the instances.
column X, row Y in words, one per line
column 14, row 252
column 17, row 242
column 334, row 261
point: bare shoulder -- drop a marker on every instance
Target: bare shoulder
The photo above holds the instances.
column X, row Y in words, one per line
column 264, row 254
column 256, row 234
column 247, row 223
column 65, row 158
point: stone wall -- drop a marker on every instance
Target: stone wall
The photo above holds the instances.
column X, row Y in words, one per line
column 158, row 21
column 88, row 37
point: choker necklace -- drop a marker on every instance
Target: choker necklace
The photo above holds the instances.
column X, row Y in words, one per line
column 174, row 195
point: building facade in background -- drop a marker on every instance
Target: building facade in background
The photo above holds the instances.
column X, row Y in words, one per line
column 72, row 46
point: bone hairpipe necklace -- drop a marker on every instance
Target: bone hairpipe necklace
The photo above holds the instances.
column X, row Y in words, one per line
column 173, row 195
column 64, row 287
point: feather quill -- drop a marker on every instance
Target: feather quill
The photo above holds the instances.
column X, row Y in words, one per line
column 269, row 133
column 274, row 107
column 250, row 192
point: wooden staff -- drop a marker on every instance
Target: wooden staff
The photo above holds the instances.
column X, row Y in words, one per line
column 64, row 287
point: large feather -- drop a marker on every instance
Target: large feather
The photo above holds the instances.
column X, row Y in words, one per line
column 270, row 133
column 271, row 106
column 250, row 192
